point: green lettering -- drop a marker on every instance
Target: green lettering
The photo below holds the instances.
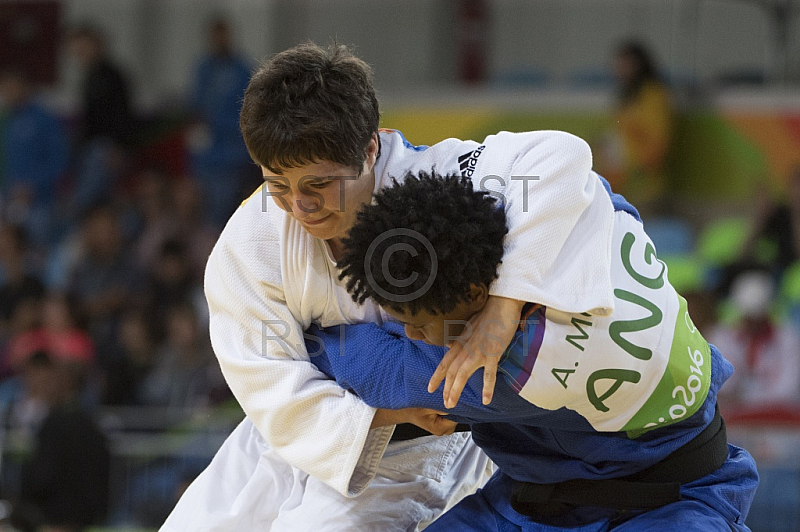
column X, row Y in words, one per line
column 573, row 338
column 649, row 254
column 616, row 329
column 618, row 375
column 562, row 375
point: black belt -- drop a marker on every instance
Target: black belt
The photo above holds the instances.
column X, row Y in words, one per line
column 407, row 431
column 656, row 486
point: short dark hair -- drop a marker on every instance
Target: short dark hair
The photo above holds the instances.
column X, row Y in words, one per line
column 644, row 69
column 309, row 104
column 16, row 73
column 219, row 22
column 17, row 234
column 465, row 228
column 89, row 31
column 40, row 359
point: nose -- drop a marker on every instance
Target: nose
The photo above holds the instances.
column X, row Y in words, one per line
column 304, row 205
column 414, row 333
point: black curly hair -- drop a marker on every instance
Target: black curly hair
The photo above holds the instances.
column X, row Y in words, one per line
column 455, row 240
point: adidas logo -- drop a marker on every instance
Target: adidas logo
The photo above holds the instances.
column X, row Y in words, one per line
column 468, row 161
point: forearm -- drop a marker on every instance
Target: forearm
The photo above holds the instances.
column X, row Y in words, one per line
column 387, row 370
column 308, row 419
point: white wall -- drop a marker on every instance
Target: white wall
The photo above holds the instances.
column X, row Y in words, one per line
column 706, row 38
column 396, row 37
column 401, row 39
column 158, row 42
column 412, row 43
column 734, row 36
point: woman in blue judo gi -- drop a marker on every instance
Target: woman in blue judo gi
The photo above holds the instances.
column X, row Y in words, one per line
column 599, row 422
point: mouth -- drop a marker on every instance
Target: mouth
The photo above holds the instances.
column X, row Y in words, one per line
column 315, row 222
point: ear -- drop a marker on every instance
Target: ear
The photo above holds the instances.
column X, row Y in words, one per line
column 478, row 295
column 372, row 152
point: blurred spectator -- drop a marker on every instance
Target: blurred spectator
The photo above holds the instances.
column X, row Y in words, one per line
column 171, row 283
column 133, row 362
column 764, row 352
column 172, row 211
column 773, row 240
column 17, row 283
column 27, row 317
column 702, row 306
column 104, row 280
column 24, row 411
column 34, row 157
column 65, row 482
column 57, row 331
column 60, row 335
column 186, row 373
column 198, row 236
column 107, row 121
column 779, row 224
column 155, row 215
column 220, row 160
column 61, row 260
column 644, row 124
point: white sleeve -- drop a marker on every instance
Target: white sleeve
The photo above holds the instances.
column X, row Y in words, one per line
column 560, row 218
column 308, row 419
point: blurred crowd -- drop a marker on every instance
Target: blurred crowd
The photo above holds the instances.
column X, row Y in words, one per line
column 102, row 252
column 741, row 277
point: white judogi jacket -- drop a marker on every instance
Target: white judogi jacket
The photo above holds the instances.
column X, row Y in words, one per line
column 267, row 280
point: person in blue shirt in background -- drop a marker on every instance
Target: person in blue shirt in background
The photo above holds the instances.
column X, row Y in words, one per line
column 571, row 455
column 108, row 126
column 35, row 153
column 220, row 160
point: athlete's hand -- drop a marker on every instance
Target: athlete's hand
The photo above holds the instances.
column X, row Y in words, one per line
column 481, row 345
column 431, row 420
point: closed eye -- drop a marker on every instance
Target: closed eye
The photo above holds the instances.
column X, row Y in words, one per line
column 277, row 185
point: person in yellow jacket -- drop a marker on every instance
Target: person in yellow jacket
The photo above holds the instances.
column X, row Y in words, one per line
column 644, row 121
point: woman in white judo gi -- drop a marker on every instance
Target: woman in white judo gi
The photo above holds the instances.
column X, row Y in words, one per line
column 309, row 455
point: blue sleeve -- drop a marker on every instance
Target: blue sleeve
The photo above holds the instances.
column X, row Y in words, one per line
column 57, row 148
column 200, row 87
column 51, row 157
column 618, row 201
column 387, row 370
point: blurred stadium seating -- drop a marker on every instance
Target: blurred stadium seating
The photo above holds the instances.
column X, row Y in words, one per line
column 155, row 453
column 772, row 435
